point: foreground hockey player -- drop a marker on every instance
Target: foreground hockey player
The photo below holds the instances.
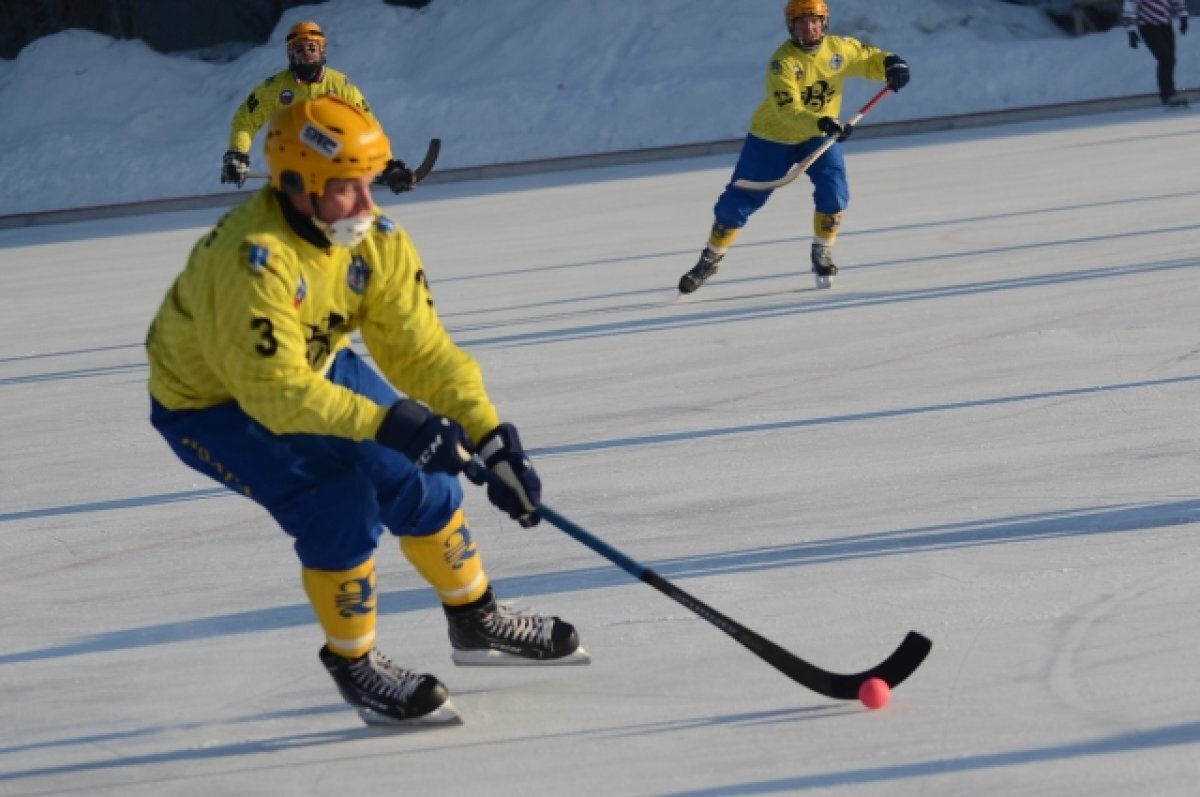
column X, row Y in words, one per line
column 306, row 77
column 804, row 85
column 253, row 383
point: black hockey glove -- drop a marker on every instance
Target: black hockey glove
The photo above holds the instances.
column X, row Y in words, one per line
column 518, row 490
column 897, row 72
column 433, row 442
column 1183, row 23
column 1133, row 39
column 397, row 177
column 832, row 127
column 235, row 167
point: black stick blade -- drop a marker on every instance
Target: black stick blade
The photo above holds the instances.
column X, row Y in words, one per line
column 893, row 670
column 431, row 155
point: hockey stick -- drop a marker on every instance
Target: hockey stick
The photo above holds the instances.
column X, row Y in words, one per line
column 897, row 667
column 420, row 173
column 426, row 165
column 801, row 167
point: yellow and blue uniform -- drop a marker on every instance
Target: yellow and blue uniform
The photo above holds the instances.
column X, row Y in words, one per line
column 254, row 382
column 283, row 89
column 801, row 87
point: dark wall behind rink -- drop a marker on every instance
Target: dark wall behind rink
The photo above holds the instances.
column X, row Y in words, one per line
column 166, row 25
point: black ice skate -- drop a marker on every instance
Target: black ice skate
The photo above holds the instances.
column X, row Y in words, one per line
column 705, row 268
column 386, row 694
column 822, row 265
column 486, row 633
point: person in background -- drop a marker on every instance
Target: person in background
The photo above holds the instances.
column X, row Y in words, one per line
column 254, row 384
column 1150, row 21
column 306, row 77
column 804, row 84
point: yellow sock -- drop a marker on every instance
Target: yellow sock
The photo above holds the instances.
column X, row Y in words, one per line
column 825, row 227
column 344, row 601
column 720, row 238
column 449, row 561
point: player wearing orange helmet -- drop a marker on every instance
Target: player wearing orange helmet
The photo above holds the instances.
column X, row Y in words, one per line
column 253, row 383
column 804, row 88
column 307, row 76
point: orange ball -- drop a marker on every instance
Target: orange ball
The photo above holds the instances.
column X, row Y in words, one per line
column 874, row 693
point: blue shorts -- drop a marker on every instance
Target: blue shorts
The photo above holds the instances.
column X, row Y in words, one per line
column 763, row 160
column 332, row 495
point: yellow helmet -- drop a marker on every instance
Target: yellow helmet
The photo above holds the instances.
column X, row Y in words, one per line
column 326, row 138
column 805, row 8
column 305, row 31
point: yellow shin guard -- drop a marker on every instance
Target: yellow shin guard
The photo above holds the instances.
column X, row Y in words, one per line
column 449, row 561
column 720, row 238
column 825, row 227
column 344, row 601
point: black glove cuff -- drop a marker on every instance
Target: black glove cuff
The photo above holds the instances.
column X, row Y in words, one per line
column 402, row 421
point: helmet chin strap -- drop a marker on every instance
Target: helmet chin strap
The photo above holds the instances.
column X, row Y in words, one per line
column 308, row 73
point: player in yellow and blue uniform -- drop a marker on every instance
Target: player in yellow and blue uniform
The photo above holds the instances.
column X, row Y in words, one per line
column 306, row 77
column 253, row 382
column 804, row 86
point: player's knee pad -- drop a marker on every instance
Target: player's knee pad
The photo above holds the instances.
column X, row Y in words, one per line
column 345, row 605
column 449, row 561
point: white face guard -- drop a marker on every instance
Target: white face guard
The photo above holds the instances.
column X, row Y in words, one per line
column 348, row 232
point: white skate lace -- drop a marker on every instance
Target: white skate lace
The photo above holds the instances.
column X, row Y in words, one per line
column 377, row 675
column 507, row 624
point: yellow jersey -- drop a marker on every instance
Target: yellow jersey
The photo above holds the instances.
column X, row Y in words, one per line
column 284, row 89
column 260, row 309
column 802, row 87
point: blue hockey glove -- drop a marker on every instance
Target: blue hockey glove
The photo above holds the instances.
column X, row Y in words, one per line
column 518, row 490
column 397, row 177
column 897, row 72
column 433, row 442
column 832, row 127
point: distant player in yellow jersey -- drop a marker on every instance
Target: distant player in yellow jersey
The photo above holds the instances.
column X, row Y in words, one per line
column 253, row 383
column 803, row 99
column 306, row 77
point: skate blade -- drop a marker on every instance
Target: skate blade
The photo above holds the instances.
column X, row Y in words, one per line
column 445, row 714
column 498, row 658
column 824, row 283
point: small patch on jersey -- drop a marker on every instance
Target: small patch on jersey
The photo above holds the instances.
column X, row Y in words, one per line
column 799, row 71
column 286, row 97
column 385, row 225
column 257, row 256
column 776, row 68
column 358, row 275
column 301, row 293
column 836, row 61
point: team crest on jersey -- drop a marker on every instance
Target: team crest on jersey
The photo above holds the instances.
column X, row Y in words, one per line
column 835, row 62
column 776, row 68
column 799, row 72
column 257, row 256
column 385, row 225
column 286, row 97
column 358, row 275
column 301, row 294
